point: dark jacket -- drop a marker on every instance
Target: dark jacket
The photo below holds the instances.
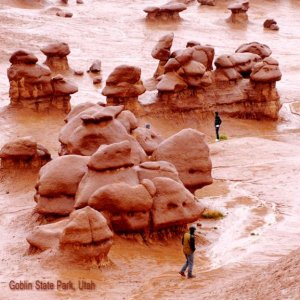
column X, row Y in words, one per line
column 218, row 120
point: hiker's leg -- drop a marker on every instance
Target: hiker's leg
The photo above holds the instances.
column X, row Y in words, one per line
column 184, row 267
column 190, row 264
column 217, row 132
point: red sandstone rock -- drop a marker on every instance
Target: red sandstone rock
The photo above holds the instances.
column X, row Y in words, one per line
column 171, row 82
column 152, row 169
column 46, row 236
column 64, row 14
column 207, row 2
column 124, row 82
column 127, row 205
column 93, row 180
column 165, row 12
column 128, row 120
column 57, row 56
column 271, row 24
column 23, row 153
column 173, row 205
column 239, row 12
column 95, row 67
column 147, row 138
column 23, row 57
column 189, row 153
column 266, row 71
column 257, row 48
column 162, row 49
column 112, row 156
column 87, row 235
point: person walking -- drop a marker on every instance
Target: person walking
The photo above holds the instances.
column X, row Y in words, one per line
column 188, row 243
column 218, row 122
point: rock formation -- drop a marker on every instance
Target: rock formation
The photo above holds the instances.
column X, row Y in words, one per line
column 31, row 85
column 189, row 83
column 124, row 85
column 238, row 12
column 271, row 24
column 162, row 52
column 207, row 2
column 256, row 48
column 193, row 164
column 85, row 235
column 57, row 54
column 113, row 177
column 23, row 153
column 167, row 12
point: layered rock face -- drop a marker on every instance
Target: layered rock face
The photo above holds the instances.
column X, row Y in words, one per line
column 57, row 54
column 238, row 12
column 235, row 87
column 32, row 86
column 167, row 12
column 124, row 85
column 23, row 153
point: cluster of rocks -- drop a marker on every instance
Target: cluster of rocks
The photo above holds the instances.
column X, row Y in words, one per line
column 243, row 84
column 113, row 170
column 169, row 11
column 23, row 153
column 238, row 12
column 34, row 86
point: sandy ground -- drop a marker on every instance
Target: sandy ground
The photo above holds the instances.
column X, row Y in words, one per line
column 256, row 172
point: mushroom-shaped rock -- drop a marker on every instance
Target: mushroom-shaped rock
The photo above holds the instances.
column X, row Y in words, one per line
column 148, row 139
column 271, row 24
column 173, row 204
column 47, row 236
column 112, row 156
column 124, row 82
column 87, row 235
column 165, row 12
column 23, row 153
column 152, row 169
column 239, row 12
column 257, row 48
column 266, row 71
column 57, row 56
column 189, row 153
column 127, row 205
column 23, row 57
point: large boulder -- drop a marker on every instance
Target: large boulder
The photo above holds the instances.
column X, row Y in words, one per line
column 173, row 205
column 24, row 152
column 189, row 153
column 128, row 206
column 254, row 47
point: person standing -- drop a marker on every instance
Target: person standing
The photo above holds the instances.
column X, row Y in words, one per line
column 188, row 244
column 218, row 123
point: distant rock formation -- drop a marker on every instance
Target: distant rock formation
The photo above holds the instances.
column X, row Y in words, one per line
column 32, row 85
column 167, row 12
column 57, row 54
column 207, row 2
column 238, row 87
column 23, row 153
column 238, row 12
